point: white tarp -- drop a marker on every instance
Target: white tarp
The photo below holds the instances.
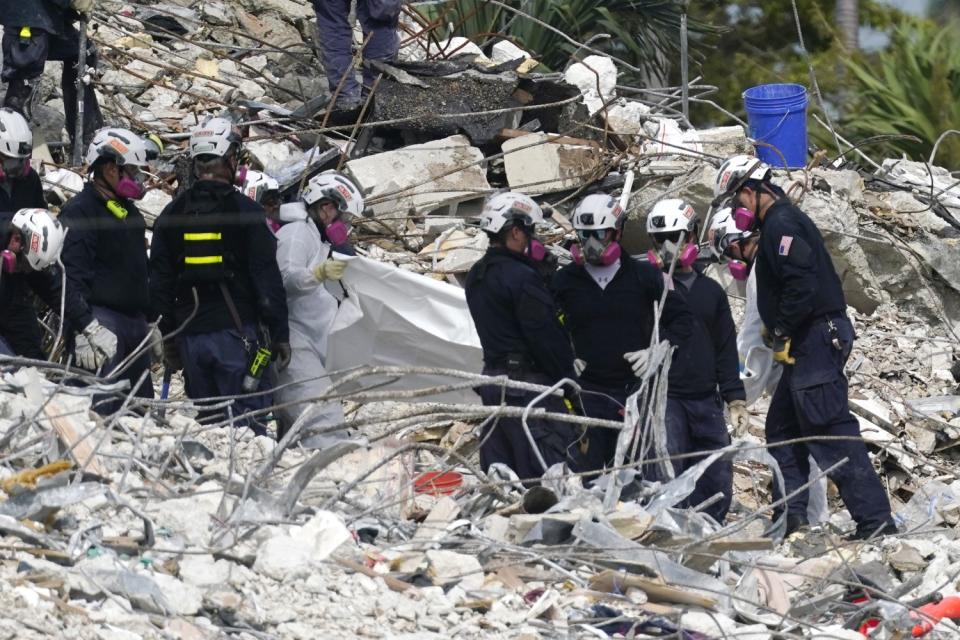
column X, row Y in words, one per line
column 392, row 317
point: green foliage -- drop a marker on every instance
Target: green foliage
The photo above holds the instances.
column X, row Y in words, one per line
column 645, row 33
column 761, row 46
column 943, row 10
column 911, row 88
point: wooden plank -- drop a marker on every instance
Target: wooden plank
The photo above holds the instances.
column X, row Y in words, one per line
column 618, row 581
column 70, row 428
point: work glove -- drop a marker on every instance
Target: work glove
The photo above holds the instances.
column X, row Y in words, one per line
column 155, row 340
column 781, row 350
column 81, row 6
column 95, row 346
column 766, row 336
column 171, row 356
column 739, row 417
column 638, row 361
column 282, row 354
column 330, row 269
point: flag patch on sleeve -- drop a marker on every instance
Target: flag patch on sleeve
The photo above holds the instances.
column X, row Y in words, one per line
column 785, row 243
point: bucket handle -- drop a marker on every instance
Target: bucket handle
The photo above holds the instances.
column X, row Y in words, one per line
column 779, row 124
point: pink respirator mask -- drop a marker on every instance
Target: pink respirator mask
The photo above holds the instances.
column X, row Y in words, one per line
column 608, row 256
column 739, row 269
column 240, row 176
column 129, row 188
column 536, row 251
column 336, row 232
column 8, row 261
column 744, row 219
column 687, row 257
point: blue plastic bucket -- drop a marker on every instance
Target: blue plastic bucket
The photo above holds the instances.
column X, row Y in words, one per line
column 777, row 115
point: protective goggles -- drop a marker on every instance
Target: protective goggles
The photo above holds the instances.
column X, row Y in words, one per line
column 586, row 234
column 667, row 236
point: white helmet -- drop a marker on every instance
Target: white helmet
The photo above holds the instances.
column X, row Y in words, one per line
column 598, row 211
column 257, row 184
column 509, row 206
column 334, row 186
column 738, row 169
column 671, row 215
column 42, row 236
column 723, row 232
column 214, row 137
column 120, row 145
column 16, row 139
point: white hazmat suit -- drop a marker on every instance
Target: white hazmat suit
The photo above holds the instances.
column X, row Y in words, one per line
column 311, row 309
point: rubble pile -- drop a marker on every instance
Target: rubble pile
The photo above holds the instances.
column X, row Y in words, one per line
column 150, row 524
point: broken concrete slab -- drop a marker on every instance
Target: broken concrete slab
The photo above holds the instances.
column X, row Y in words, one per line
column 535, row 164
column 420, row 178
column 505, row 51
column 452, row 568
column 596, row 78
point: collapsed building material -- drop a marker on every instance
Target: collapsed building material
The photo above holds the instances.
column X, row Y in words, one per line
column 540, row 163
column 420, row 178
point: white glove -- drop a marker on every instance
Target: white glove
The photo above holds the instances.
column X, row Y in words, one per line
column 739, row 417
column 578, row 366
column 330, row 269
column 81, row 6
column 155, row 340
column 95, row 346
column 638, row 361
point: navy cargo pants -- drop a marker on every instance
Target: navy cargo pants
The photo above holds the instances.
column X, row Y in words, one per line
column 24, row 59
column 811, row 402
column 604, row 403
column 504, row 440
column 336, row 38
column 130, row 332
column 695, row 425
column 214, row 365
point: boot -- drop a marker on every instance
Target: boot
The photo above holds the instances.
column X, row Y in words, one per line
column 795, row 522
column 18, row 94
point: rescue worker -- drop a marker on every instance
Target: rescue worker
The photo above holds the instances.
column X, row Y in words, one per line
column 105, row 257
column 521, row 337
column 32, row 240
column 265, row 191
column 214, row 276
column 706, row 371
column 378, row 21
column 803, row 309
column 607, row 300
column 20, row 188
column 758, row 371
column 41, row 30
column 305, row 244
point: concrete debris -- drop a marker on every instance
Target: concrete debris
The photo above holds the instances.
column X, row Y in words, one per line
column 150, row 524
column 540, row 163
column 596, row 77
column 420, row 178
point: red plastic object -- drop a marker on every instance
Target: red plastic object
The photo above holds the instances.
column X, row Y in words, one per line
column 931, row 614
column 437, row 483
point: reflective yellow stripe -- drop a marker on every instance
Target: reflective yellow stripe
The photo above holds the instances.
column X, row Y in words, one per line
column 203, row 259
column 25, row 32
column 198, row 237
